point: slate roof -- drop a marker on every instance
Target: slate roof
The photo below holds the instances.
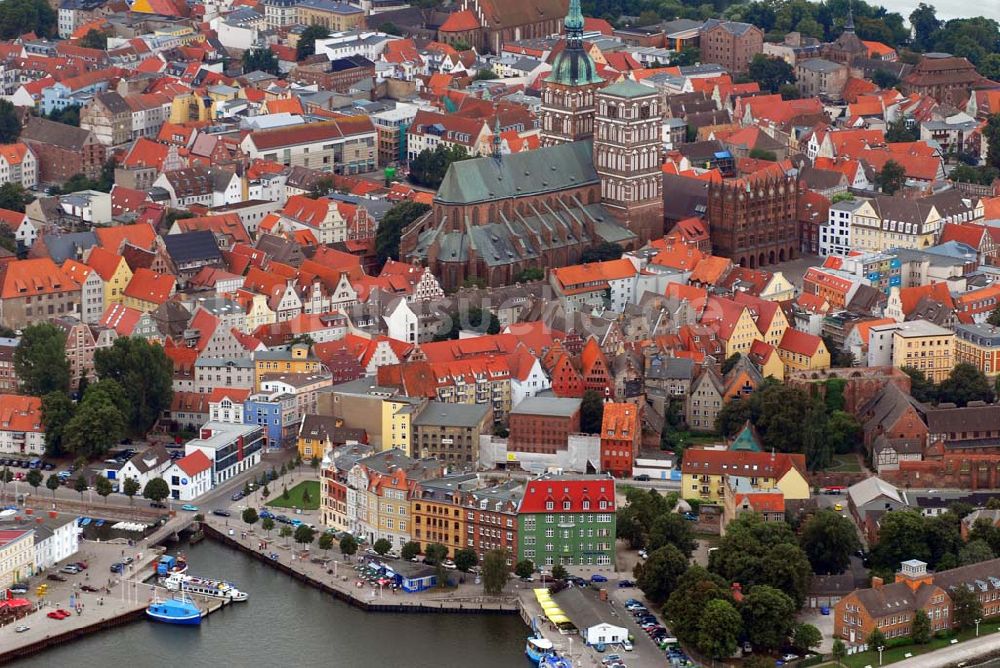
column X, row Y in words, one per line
column 192, row 247
column 544, row 170
column 56, row 134
column 628, row 89
column 440, row 414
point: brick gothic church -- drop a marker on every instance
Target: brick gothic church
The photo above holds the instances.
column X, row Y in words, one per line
column 596, row 179
column 752, row 220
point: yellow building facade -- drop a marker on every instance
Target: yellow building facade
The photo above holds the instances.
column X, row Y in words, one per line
column 297, row 360
column 17, row 556
column 925, row 346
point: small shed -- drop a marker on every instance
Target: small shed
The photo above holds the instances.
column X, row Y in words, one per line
column 411, row 577
column 604, row 633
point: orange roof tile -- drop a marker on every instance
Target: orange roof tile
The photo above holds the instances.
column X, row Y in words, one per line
column 148, row 286
column 34, row 277
column 461, row 21
column 141, row 235
column 800, row 343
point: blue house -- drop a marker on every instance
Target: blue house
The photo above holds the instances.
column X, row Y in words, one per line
column 276, row 413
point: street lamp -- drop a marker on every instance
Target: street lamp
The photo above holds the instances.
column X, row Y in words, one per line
column 977, row 626
column 880, row 648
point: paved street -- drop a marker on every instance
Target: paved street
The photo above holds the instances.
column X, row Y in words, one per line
column 966, row 652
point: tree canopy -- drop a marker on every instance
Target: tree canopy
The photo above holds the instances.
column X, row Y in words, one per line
column 770, row 73
column 391, row 228
column 146, row 371
column 828, row 540
column 18, row 17
column 263, row 60
column 658, row 575
column 40, row 360
column 602, row 252
column 891, row 177
column 306, row 46
column 430, row 166
column 591, row 412
column 473, row 319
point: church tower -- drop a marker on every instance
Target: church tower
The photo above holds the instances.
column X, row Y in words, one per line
column 567, row 109
column 627, row 150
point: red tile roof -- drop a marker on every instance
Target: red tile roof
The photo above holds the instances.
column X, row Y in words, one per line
column 34, row 277
column 461, row 21
column 559, row 490
column 801, row 343
column 149, row 286
column 194, row 463
column 700, row 461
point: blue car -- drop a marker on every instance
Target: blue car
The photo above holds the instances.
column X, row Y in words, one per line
column 266, row 515
column 598, row 578
column 188, row 507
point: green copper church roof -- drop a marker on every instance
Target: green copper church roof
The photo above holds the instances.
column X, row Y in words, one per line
column 628, row 89
column 574, row 67
column 746, row 440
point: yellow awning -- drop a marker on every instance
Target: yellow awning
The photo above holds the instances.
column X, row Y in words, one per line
column 558, row 619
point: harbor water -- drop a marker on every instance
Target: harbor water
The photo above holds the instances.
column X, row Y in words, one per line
column 288, row 624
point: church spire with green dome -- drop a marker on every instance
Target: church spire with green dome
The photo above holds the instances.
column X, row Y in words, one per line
column 573, row 66
column 574, row 24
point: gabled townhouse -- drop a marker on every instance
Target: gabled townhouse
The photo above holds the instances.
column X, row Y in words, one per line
column 20, row 225
column 18, row 164
column 599, row 285
column 91, row 289
column 430, row 129
column 147, row 290
column 35, row 290
column 21, row 429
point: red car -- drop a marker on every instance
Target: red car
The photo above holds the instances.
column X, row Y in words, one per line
column 58, row 614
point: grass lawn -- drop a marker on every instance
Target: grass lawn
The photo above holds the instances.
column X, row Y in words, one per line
column 899, row 653
column 845, row 464
column 698, row 438
column 294, row 499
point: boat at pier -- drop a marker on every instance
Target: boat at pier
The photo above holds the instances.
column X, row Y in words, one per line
column 203, row 587
column 169, row 564
column 555, row 661
column 175, row 611
column 538, row 648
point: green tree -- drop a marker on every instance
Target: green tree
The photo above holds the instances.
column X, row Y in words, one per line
column 694, row 590
column 304, row 535
column 591, row 412
column 602, row 252
column 806, row 637
column 974, row 552
column 103, row 487
column 306, row 45
column 34, row 478
column 770, row 73
column 689, row 55
column 265, row 492
column 435, row 553
column 559, row 572
column 992, row 134
column 787, row 92
column 768, row 615
column 474, row 319
column 80, row 485
column 156, row 490
column 410, row 549
column 262, row 60
column 13, row 196
column 843, row 432
column 130, row 488
column 382, row 546
column 719, row 629
column 18, row 17
column 885, row 79
column 68, row 115
column 730, row 363
column 530, row 274
column 267, row 524
column 891, row 178
column 465, row 559
column 989, row 66
column 965, row 383
column 920, row 630
column 495, row 572
column 285, row 532
column 672, row 529
column 146, row 371
column 391, row 228
column 429, row 167
column 485, row 74
column 925, row 25
column 901, row 537
column 250, row 516
column 876, row 639
column 53, row 483
column 57, row 411
column 348, row 546
column 838, row 651
column 95, row 39
column 828, row 541
column 95, row 427
column 899, row 131
column 659, row 574
column 6, row 475
column 921, row 387
column 390, row 28
column 10, row 126
column 325, row 542
column 40, row 360
column 524, row 568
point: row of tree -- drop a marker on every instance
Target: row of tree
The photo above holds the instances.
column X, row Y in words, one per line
column 965, row 383
column 105, row 411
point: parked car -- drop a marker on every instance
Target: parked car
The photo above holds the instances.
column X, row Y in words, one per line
column 117, row 567
column 642, row 477
column 89, row 588
column 450, row 565
column 190, row 508
column 56, row 577
column 221, row 512
column 19, row 588
column 265, row 514
column 626, row 645
column 624, row 584
column 156, row 504
column 236, row 496
column 598, row 578
column 127, row 560
column 82, row 565
column 72, row 569
column 57, row 614
column 22, row 628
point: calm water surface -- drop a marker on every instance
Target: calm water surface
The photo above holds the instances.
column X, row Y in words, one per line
column 288, row 624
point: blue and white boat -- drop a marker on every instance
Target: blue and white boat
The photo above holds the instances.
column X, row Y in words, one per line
column 85, row 521
column 555, row 661
column 99, row 523
column 538, row 648
column 175, row 611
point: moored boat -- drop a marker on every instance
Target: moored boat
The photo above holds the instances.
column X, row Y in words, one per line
column 537, row 648
column 203, row 587
column 169, row 564
column 175, row 611
column 553, row 660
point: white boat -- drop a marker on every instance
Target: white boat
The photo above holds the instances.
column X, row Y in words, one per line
column 203, row 587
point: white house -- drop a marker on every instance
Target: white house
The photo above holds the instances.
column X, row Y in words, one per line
column 527, row 378
column 144, row 466
column 835, row 235
column 400, row 321
column 24, row 230
column 90, row 206
column 604, row 634
column 189, row 477
column 21, row 430
column 225, row 404
column 18, row 164
column 232, row 448
column 55, row 539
